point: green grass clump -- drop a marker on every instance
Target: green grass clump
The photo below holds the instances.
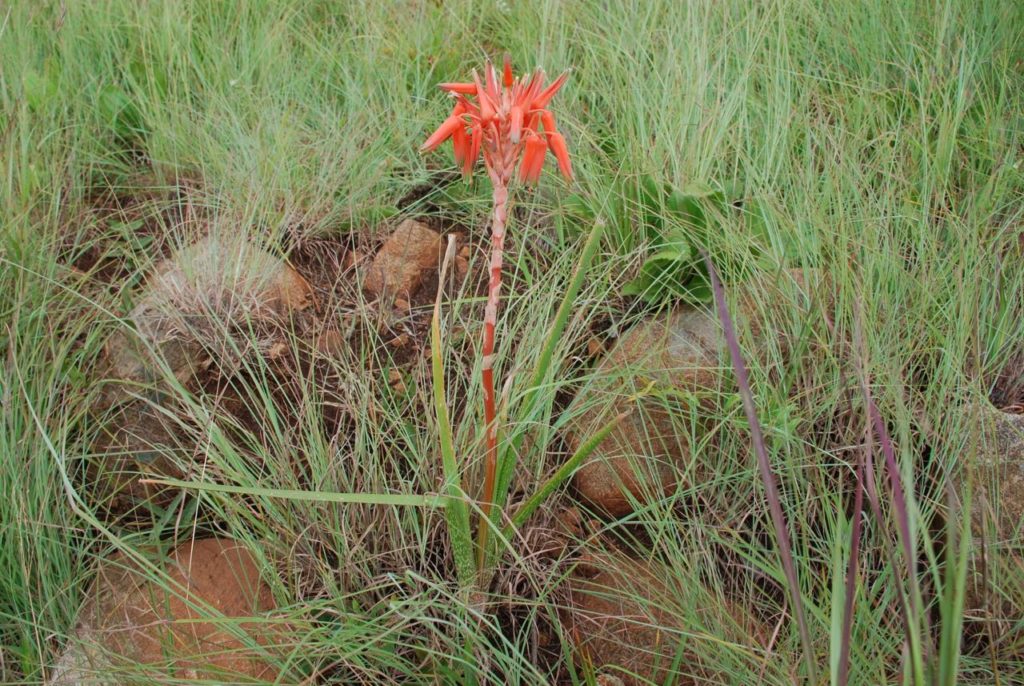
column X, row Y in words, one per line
column 876, row 143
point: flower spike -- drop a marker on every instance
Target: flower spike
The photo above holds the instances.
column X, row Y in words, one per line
column 500, row 121
column 506, row 120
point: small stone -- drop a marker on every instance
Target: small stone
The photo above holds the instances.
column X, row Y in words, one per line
column 402, row 305
column 399, row 341
column 461, row 268
column 164, row 631
column 594, row 347
column 330, row 343
column 396, row 380
column 464, row 253
column 277, row 350
column 352, row 259
column 399, row 268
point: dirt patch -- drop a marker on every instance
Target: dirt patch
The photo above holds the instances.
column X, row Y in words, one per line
column 1007, row 394
column 130, row 221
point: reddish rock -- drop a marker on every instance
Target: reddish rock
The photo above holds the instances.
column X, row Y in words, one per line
column 409, row 254
column 330, row 343
column 659, row 376
column 134, row 630
column 642, row 455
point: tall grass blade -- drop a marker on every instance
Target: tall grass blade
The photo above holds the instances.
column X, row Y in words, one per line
column 951, row 609
column 851, row 579
column 760, row 449
column 899, row 503
column 562, row 473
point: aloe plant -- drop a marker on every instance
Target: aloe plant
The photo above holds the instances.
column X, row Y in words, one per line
column 509, row 125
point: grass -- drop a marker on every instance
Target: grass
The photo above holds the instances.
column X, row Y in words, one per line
column 876, row 143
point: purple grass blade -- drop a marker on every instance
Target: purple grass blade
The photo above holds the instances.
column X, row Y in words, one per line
column 851, row 579
column 899, row 499
column 865, row 485
column 771, row 487
column 876, row 509
column 899, row 502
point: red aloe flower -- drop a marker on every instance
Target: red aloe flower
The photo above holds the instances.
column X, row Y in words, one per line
column 502, row 117
column 508, row 122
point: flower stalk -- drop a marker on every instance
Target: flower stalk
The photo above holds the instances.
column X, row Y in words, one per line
column 509, row 125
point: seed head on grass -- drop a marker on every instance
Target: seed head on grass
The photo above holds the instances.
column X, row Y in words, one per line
column 508, row 123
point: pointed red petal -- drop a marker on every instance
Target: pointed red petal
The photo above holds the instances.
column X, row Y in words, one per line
column 542, row 100
column 487, row 107
column 526, row 163
column 548, row 120
column 533, row 87
column 507, row 72
column 464, row 88
column 557, row 143
column 443, row 133
column 492, row 80
column 460, row 144
column 534, row 124
column 468, row 106
column 538, row 162
column 515, row 116
column 476, row 136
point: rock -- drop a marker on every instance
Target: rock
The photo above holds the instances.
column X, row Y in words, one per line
column 640, row 458
column 331, row 343
column 622, row 623
column 186, row 629
column 136, row 439
column 409, row 254
column 661, row 372
column 191, row 304
column 197, row 310
column 999, row 474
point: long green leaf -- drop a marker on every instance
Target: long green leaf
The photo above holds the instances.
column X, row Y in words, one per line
column 399, row 499
column 458, row 511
